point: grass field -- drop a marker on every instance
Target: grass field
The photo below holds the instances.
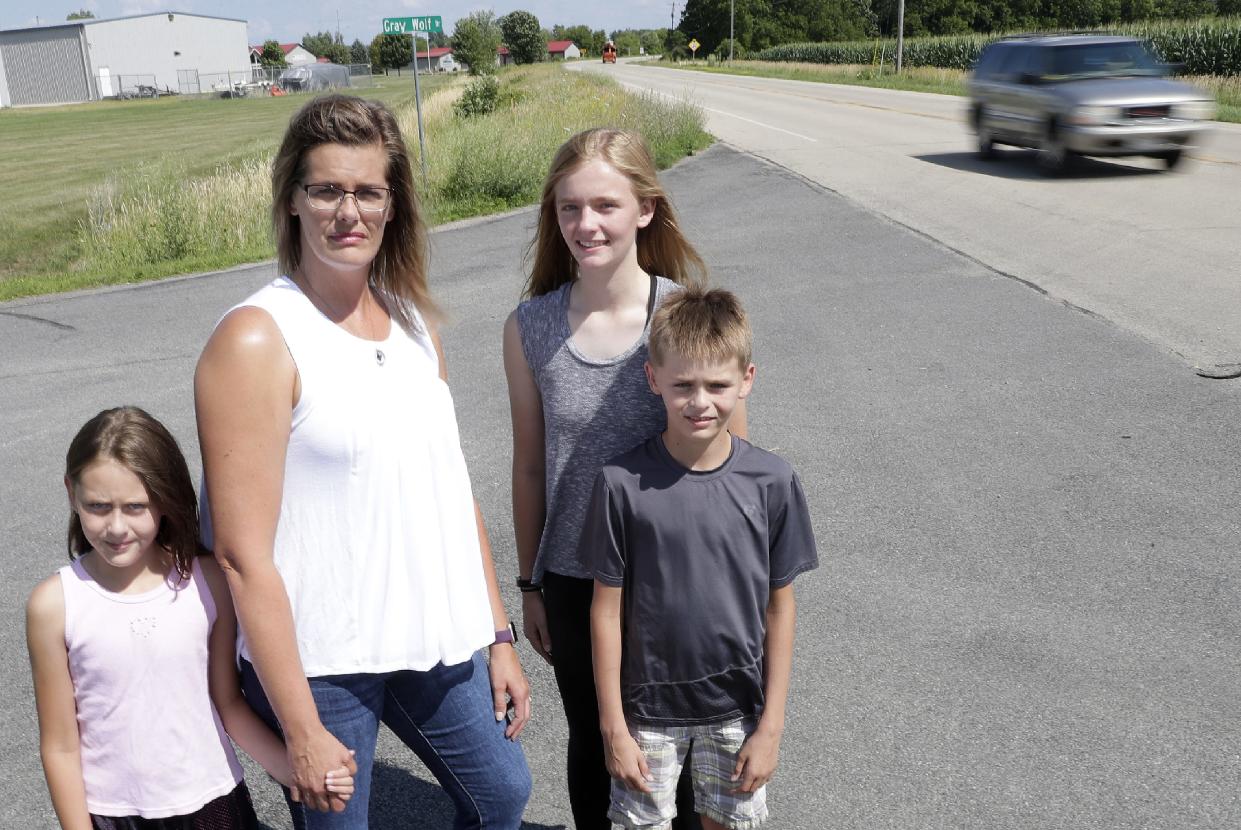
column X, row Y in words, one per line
column 145, row 189
column 55, row 158
column 1227, row 90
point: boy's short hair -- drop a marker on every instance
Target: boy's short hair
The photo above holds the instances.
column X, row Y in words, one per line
column 701, row 326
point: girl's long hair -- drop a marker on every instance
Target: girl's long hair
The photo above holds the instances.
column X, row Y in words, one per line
column 399, row 271
column 662, row 248
column 141, row 444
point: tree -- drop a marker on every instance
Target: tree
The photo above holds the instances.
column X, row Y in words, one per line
column 628, row 42
column 475, row 39
column 762, row 23
column 272, row 54
column 358, row 53
column 327, row 45
column 523, row 36
column 581, row 35
column 675, row 39
column 595, row 45
column 391, row 52
column 653, row 40
column 81, row 14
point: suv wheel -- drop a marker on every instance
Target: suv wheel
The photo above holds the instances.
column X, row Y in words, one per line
column 1054, row 155
column 1171, row 158
column 986, row 139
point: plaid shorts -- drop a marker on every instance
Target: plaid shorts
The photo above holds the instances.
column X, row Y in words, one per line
column 715, row 747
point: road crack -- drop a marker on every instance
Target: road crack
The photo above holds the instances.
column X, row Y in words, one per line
column 35, row 319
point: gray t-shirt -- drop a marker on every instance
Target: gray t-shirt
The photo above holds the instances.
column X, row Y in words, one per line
column 592, row 410
column 697, row 554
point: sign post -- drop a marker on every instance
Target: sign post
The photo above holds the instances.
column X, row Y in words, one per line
column 414, row 26
column 693, row 48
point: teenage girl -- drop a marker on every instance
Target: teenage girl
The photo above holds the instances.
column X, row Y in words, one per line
column 606, row 252
column 131, row 646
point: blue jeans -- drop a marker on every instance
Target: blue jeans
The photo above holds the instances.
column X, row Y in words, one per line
column 445, row 715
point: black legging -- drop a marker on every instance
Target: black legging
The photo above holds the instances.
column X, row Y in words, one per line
column 567, row 601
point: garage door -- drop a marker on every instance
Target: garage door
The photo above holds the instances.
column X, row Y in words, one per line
column 44, row 66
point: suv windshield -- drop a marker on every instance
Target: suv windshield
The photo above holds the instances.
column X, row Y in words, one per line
column 1101, row 60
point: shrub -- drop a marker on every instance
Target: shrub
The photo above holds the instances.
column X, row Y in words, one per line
column 479, row 98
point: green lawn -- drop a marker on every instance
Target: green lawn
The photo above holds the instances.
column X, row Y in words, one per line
column 1227, row 90
column 119, row 192
column 53, row 157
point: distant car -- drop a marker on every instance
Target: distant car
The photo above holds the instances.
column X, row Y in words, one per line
column 609, row 52
column 1092, row 95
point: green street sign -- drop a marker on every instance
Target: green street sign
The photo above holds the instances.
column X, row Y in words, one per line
column 409, row 25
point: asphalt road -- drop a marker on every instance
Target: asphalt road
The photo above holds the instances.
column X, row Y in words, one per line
column 1027, row 614
column 1154, row 253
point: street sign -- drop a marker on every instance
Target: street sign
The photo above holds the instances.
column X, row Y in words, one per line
column 416, row 26
column 409, row 25
column 693, row 45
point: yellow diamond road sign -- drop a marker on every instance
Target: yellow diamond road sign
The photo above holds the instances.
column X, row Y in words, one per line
column 694, row 44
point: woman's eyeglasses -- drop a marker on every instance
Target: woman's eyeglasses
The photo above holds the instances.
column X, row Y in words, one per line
column 329, row 197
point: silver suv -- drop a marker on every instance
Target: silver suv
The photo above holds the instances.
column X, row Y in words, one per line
column 1093, row 95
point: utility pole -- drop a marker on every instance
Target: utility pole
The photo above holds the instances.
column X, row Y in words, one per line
column 732, row 38
column 900, row 34
column 672, row 18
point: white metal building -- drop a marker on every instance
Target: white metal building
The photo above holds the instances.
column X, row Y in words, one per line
column 83, row 60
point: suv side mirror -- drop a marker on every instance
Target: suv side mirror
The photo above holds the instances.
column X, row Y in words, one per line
column 1029, row 78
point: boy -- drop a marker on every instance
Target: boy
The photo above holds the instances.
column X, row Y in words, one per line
column 696, row 537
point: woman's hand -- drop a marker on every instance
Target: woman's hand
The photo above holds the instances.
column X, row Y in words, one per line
column 338, row 781
column 508, row 683
column 534, row 623
column 312, row 759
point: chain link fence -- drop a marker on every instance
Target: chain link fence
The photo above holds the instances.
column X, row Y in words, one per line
column 257, row 80
column 128, row 86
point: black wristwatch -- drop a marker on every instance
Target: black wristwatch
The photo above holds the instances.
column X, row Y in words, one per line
column 528, row 586
column 507, row 635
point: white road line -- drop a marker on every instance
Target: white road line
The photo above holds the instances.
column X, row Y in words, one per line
column 722, row 112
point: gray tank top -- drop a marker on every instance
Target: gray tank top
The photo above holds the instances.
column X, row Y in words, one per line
column 593, row 410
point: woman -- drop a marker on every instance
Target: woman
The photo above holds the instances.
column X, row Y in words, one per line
column 338, row 496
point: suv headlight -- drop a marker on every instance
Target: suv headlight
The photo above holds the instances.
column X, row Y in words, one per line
column 1093, row 116
column 1194, row 110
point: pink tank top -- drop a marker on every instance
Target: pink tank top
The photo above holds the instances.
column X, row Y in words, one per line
column 152, row 741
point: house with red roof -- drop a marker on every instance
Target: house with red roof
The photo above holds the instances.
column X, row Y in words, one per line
column 294, row 54
column 439, row 59
column 559, row 50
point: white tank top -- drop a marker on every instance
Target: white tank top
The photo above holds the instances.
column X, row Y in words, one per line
column 152, row 742
column 377, row 542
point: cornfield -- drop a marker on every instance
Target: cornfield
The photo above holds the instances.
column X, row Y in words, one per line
column 1208, row 46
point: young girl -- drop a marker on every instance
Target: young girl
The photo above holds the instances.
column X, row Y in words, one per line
column 606, row 252
column 131, row 647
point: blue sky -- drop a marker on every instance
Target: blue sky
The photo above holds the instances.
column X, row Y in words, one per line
column 288, row 20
